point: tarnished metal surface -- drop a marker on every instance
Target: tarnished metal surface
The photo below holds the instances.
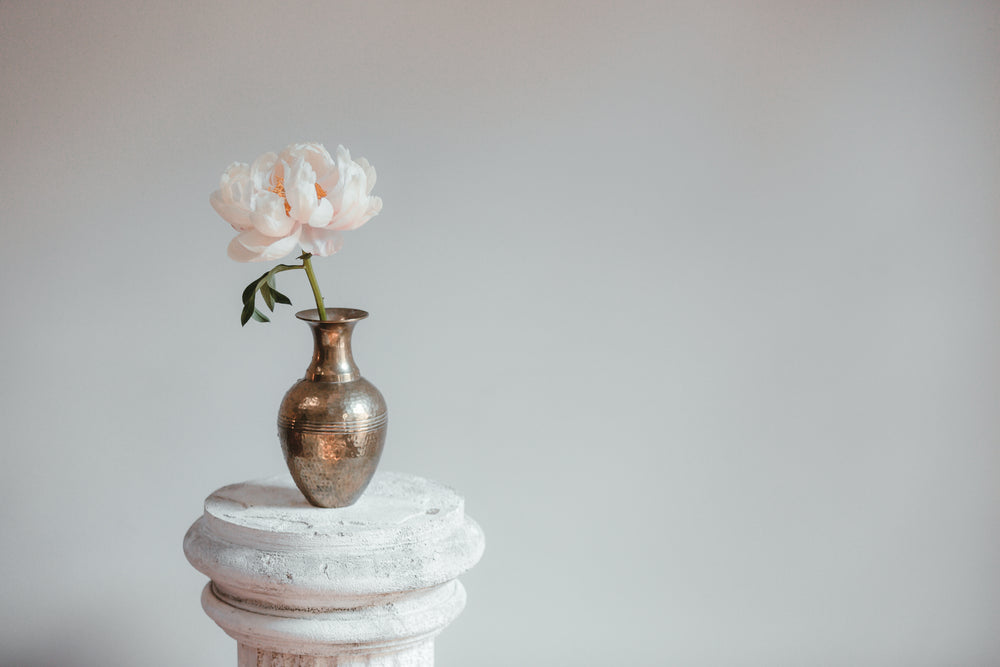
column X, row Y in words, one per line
column 332, row 423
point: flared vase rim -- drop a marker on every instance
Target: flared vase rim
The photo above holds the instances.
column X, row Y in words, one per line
column 333, row 315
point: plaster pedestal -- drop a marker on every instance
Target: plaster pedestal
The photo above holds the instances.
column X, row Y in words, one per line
column 371, row 584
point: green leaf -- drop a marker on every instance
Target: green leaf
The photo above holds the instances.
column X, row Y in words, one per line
column 251, row 288
column 278, row 296
column 265, row 292
column 248, row 311
column 265, row 285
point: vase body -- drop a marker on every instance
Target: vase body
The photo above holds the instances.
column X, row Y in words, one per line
column 332, row 423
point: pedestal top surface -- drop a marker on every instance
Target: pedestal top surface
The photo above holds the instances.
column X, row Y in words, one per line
column 367, row 584
column 395, row 509
column 263, row 544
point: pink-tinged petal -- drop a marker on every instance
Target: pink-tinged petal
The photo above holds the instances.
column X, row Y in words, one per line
column 370, row 174
column 353, row 204
column 234, row 184
column 320, row 242
column 315, row 154
column 236, row 168
column 300, row 190
column 346, row 189
column 232, row 199
column 269, row 217
column 252, row 246
column 280, row 248
column 322, row 215
column 238, row 252
column 329, row 181
column 265, row 171
column 359, row 218
column 343, row 155
column 238, row 217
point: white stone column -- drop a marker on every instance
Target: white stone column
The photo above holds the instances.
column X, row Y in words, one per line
column 371, row 584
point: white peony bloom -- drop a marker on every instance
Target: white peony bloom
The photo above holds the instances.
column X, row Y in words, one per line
column 302, row 196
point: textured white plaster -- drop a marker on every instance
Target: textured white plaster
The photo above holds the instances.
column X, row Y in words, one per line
column 370, row 584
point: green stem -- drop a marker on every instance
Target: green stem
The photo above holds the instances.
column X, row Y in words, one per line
column 284, row 267
column 307, row 265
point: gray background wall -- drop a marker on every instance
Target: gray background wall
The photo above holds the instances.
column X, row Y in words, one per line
column 696, row 303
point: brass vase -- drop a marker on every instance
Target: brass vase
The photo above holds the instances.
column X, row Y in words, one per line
column 332, row 422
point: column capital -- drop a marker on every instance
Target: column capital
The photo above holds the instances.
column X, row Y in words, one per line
column 347, row 585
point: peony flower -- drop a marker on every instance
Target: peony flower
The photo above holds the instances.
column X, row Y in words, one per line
column 302, row 196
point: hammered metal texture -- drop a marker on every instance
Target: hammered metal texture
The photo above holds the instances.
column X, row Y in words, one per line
column 332, row 423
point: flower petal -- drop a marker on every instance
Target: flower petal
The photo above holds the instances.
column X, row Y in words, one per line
column 320, row 242
column 252, row 246
column 322, row 215
column 234, row 184
column 343, row 155
column 352, row 203
column 265, row 171
column 315, row 154
column 239, row 253
column 370, row 174
column 268, row 215
column 232, row 199
column 300, row 190
column 238, row 217
column 329, row 181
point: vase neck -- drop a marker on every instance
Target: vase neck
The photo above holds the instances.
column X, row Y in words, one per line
column 332, row 359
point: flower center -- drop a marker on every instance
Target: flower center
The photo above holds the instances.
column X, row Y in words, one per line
column 279, row 189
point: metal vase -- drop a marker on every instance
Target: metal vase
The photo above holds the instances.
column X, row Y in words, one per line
column 332, row 422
